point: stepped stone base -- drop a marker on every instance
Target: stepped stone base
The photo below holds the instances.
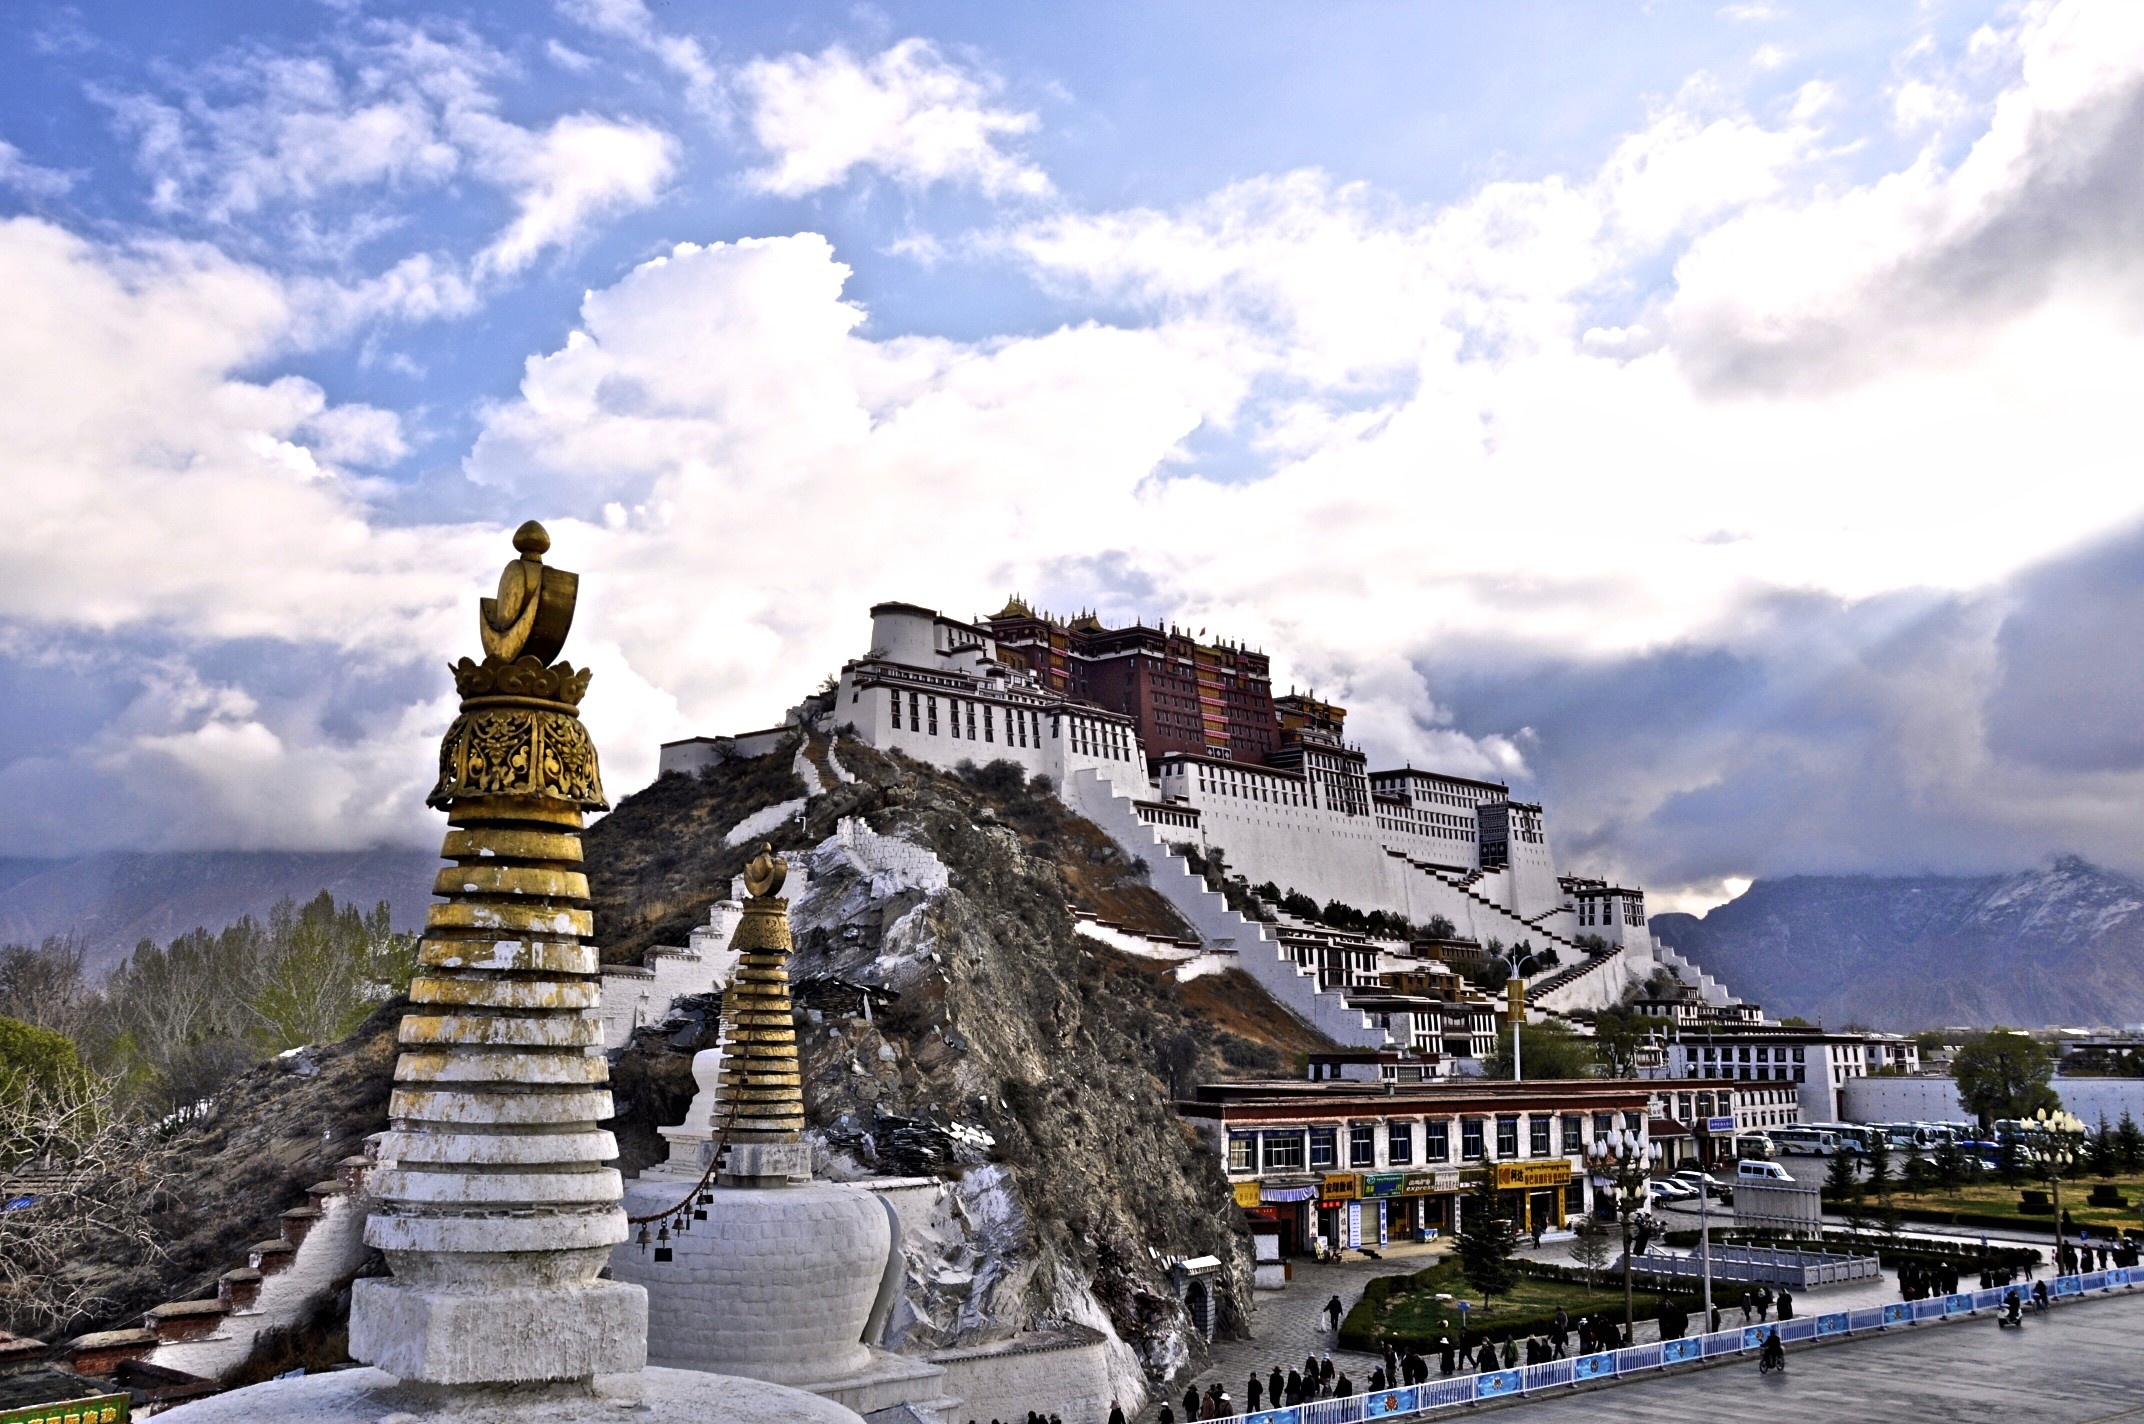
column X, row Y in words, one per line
column 557, row 1332
column 652, row 1396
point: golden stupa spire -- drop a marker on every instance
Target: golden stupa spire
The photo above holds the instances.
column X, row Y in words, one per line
column 760, row 1079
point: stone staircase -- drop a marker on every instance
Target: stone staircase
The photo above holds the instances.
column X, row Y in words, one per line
column 1711, row 990
column 281, row 1281
column 1254, row 947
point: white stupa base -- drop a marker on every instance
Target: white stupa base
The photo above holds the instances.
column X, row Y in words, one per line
column 532, row 1334
column 885, row 1380
column 776, row 1284
column 653, row 1396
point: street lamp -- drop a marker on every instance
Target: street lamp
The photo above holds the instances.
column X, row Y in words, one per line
column 2056, row 1136
column 1621, row 1163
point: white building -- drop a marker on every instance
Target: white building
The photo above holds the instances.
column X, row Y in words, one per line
column 1307, row 815
column 1817, row 1063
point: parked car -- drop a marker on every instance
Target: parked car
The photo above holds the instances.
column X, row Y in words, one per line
column 1667, row 1189
column 1761, row 1172
column 1698, row 1181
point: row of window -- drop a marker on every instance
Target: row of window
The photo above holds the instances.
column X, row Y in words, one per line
column 1022, row 727
column 1318, row 1149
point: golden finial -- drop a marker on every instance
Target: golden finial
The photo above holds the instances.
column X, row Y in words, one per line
column 534, row 609
column 764, row 873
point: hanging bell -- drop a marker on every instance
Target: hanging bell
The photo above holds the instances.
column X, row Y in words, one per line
column 643, row 1238
column 662, row 1242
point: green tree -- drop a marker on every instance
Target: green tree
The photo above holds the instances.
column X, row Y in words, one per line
column 1619, row 1036
column 2003, row 1074
column 2129, row 1142
column 1485, row 1243
column 1839, row 1175
column 1949, row 1164
column 1880, row 1179
column 1551, row 1051
column 2102, row 1150
column 34, row 1059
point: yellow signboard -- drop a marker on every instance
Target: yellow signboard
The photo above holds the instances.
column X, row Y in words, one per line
column 103, row 1409
column 1553, row 1173
column 1247, row 1194
column 1341, row 1186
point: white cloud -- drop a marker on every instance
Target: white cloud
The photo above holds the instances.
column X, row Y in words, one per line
column 24, row 176
column 630, row 21
column 906, row 112
column 582, row 168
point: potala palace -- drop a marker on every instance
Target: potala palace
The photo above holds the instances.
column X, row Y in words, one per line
column 1165, row 740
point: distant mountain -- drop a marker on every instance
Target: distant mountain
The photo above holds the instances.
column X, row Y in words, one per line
column 2062, row 945
column 115, row 899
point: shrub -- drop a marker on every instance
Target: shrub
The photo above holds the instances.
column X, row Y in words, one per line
column 2107, row 1194
column 2034, row 1203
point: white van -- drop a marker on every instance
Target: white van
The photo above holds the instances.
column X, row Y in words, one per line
column 1761, row 1172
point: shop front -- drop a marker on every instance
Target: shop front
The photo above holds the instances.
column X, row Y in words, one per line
column 1535, row 1195
column 1340, row 1211
column 1280, row 1208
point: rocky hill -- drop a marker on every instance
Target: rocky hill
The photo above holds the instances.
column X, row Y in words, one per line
column 2059, row 945
column 115, row 899
column 1025, row 1063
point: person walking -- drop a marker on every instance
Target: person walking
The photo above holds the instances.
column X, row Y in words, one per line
column 1748, row 1303
column 1343, row 1387
column 1511, row 1353
column 1485, row 1362
column 1715, row 1320
column 1444, row 1355
column 1116, row 1412
column 1168, row 1415
column 1191, row 1402
column 1253, row 1392
column 1273, row 1387
column 1786, row 1304
column 1392, row 1359
column 1562, row 1330
column 1332, row 1313
column 1295, row 1387
column 1326, row 1373
column 1378, row 1380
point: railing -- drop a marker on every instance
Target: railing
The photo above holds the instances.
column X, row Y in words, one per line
column 1770, row 1265
column 1417, row 1401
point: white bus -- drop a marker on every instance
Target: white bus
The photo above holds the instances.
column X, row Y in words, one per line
column 1806, row 1140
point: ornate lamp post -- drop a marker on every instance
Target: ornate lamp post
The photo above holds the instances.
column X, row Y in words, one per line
column 1620, row 1164
column 2056, row 1135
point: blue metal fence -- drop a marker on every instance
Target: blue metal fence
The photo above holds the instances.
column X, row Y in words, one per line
column 1418, row 1401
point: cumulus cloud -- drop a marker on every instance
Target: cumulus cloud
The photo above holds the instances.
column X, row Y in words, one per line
column 23, row 176
column 906, row 112
column 318, row 149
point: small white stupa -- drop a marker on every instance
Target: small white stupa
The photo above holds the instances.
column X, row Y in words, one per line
column 751, row 1267
column 495, row 1210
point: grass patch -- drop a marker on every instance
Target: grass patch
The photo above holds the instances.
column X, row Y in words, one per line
column 1407, row 1311
column 1996, row 1203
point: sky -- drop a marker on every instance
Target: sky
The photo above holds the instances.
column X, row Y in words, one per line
column 1717, row 420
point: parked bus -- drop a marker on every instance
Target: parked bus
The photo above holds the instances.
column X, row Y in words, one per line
column 1853, row 1137
column 1809, row 1141
column 1754, row 1147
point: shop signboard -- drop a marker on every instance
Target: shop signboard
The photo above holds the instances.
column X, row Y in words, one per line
column 1383, row 1184
column 1719, row 1124
column 1421, row 1184
column 1553, row 1173
column 1341, row 1186
column 98, row 1409
column 1248, row 1194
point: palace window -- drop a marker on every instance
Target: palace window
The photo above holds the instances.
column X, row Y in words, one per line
column 1361, row 1145
column 1507, row 1138
column 930, row 705
column 1603, row 1124
column 1539, row 1128
column 1243, row 1152
column 1574, row 1133
column 1437, row 1142
column 1284, row 1151
column 1470, row 1138
column 897, row 711
column 971, row 721
column 1324, row 1149
column 915, row 713
column 989, row 735
column 1399, row 1143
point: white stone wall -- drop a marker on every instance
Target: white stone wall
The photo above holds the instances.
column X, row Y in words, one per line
column 634, row 995
column 1067, row 1377
column 1935, row 1099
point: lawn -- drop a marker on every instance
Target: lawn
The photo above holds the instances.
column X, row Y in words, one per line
column 1420, row 1312
column 1991, row 1197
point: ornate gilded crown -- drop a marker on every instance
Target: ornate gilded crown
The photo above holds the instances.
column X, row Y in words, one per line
column 523, row 677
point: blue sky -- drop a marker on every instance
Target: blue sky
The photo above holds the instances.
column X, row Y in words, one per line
column 1707, row 416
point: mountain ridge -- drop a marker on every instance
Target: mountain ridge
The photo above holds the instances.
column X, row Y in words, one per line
column 113, row 900
column 2060, row 944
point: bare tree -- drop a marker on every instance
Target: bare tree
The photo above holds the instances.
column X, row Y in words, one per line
column 78, row 1183
column 1591, row 1245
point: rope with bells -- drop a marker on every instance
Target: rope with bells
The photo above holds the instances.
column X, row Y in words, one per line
column 697, row 1198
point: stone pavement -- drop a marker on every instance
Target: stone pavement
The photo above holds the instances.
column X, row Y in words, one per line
column 2078, row 1364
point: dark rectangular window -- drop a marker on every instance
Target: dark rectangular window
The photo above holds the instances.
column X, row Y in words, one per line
column 897, row 711
column 1507, row 1138
column 989, row 734
column 1361, row 1145
column 1603, row 1124
column 930, row 704
column 1324, row 1149
column 1284, row 1151
column 1399, row 1144
column 1574, row 1135
column 1538, row 1126
column 1437, row 1142
column 1470, row 1139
